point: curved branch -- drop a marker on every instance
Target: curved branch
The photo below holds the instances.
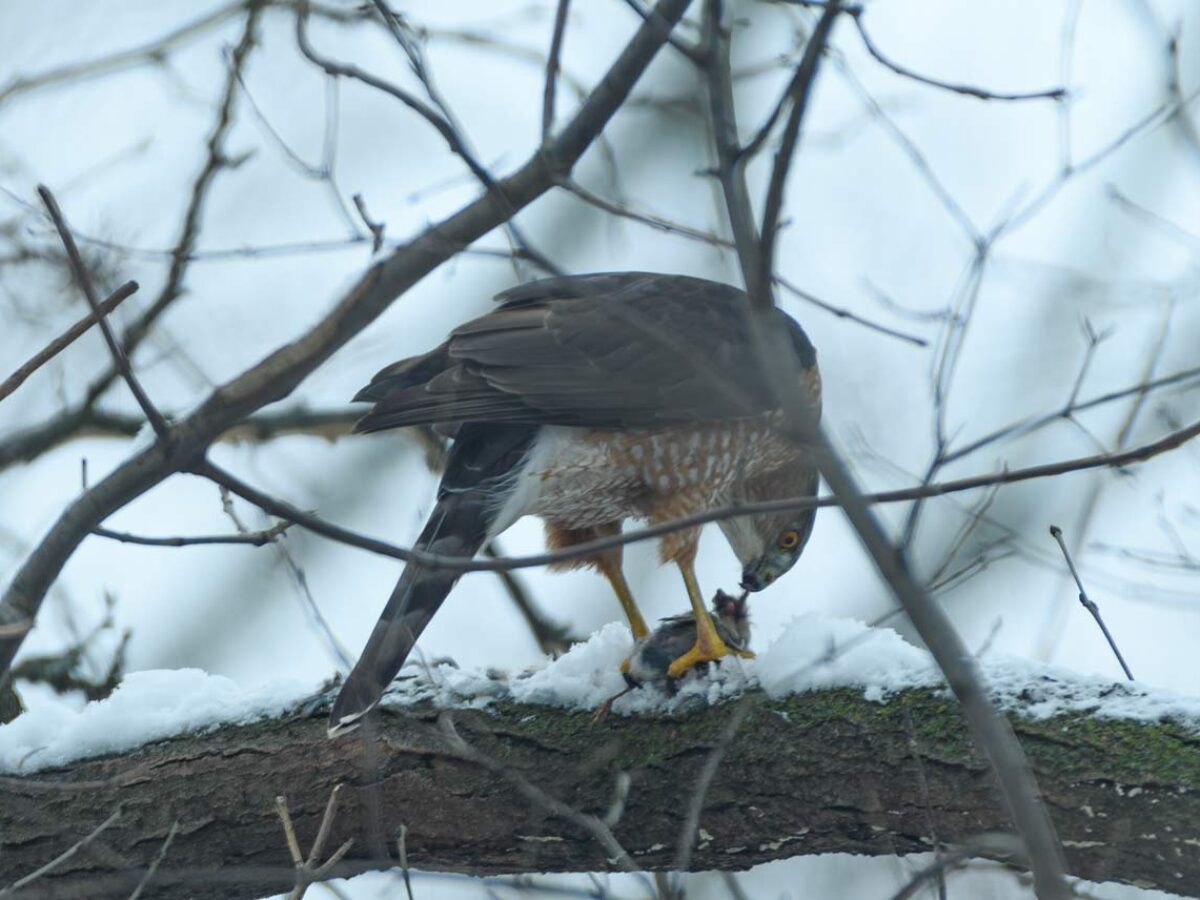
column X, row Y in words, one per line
column 284, row 369
column 335, row 532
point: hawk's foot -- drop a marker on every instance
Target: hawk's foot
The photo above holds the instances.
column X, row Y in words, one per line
column 708, row 648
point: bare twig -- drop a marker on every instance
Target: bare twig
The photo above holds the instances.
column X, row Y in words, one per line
column 308, row 871
column 731, row 170
column 153, row 416
column 584, row 550
column 281, row 371
column 64, row 340
column 552, row 805
column 552, row 639
column 216, row 159
column 965, row 89
column 1087, row 602
column 376, row 228
column 63, row 857
column 691, row 820
column 253, row 538
column 437, row 113
column 686, row 231
column 402, row 855
column 162, row 853
column 989, row 844
column 798, row 93
column 550, row 92
column 1035, row 423
column 151, row 51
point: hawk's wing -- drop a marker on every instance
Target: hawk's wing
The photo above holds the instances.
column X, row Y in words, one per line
column 615, row 350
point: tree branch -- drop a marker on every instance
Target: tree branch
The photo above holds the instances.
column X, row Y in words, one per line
column 66, row 339
column 80, row 270
column 800, row 421
column 335, row 532
column 281, row 371
column 1123, row 794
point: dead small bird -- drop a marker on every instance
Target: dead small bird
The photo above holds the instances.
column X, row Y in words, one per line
column 652, row 655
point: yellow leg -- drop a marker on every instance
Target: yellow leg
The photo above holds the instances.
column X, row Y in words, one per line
column 612, row 571
column 708, row 646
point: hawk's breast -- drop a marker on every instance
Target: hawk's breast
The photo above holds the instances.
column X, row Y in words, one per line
column 582, row 477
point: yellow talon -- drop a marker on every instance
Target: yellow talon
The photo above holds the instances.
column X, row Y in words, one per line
column 708, row 648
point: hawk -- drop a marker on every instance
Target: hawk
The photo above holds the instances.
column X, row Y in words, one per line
column 587, row 400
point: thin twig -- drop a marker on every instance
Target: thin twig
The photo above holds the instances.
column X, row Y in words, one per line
column 289, row 830
column 376, row 228
column 334, row 532
column 216, row 159
column 798, row 93
column 552, row 639
column 253, row 538
column 686, row 231
column 62, row 857
column 151, row 51
column 83, row 276
column 966, row 89
column 691, row 819
column 990, row 844
column 1088, row 603
column 64, row 340
column 402, row 853
column 156, row 862
column 550, row 91
column 619, row 856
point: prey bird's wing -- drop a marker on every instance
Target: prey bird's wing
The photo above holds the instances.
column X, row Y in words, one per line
column 618, row 350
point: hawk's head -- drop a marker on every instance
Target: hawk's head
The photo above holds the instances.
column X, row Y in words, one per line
column 767, row 546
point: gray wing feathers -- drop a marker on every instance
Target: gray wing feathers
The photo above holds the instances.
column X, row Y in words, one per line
column 615, row 350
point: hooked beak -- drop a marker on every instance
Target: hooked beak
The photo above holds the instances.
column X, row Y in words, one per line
column 753, row 581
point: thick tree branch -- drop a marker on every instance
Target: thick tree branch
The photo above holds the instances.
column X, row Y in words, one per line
column 1123, row 795
column 281, row 371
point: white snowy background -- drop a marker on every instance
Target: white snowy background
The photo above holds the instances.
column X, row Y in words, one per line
column 1112, row 245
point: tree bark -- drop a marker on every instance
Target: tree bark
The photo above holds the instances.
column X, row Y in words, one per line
column 816, row 773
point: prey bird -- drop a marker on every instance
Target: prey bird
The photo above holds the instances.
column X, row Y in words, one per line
column 650, row 661
column 587, row 400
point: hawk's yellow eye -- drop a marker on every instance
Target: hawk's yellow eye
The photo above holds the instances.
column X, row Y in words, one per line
column 788, row 540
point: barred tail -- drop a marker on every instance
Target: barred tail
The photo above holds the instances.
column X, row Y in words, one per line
column 457, row 527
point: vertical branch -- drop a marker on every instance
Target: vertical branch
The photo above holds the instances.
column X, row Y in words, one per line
column 991, row 733
column 120, row 360
column 551, row 89
column 797, row 94
column 731, row 162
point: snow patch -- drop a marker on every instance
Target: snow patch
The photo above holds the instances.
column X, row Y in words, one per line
column 816, row 652
column 146, row 706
